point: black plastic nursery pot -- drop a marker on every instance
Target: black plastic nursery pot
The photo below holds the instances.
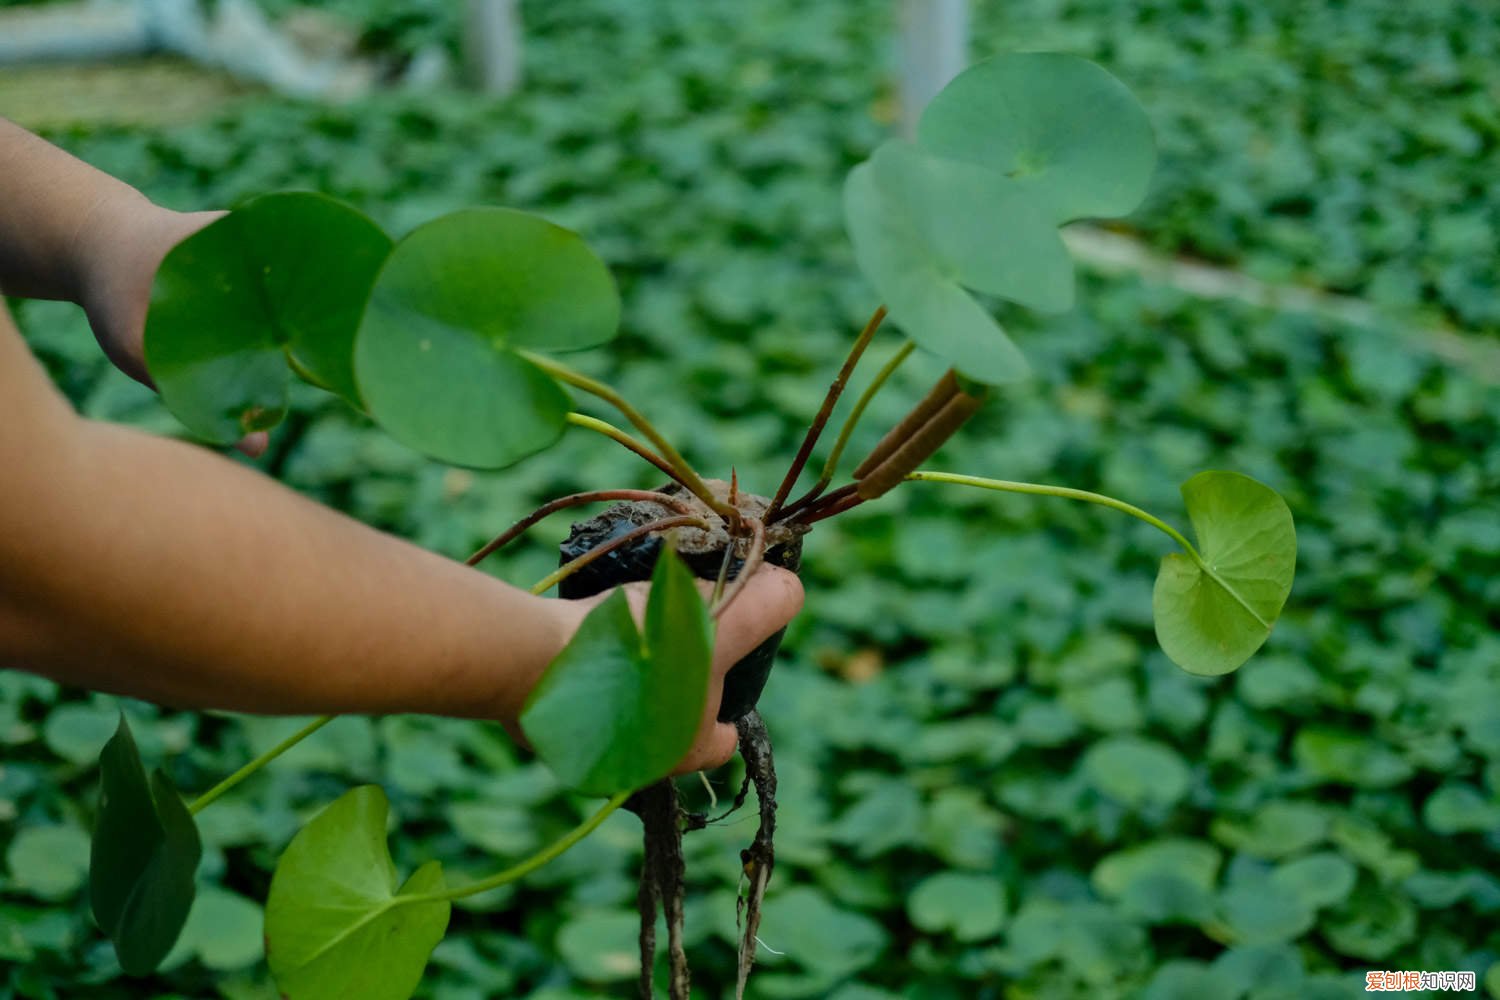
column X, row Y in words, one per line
column 702, row 551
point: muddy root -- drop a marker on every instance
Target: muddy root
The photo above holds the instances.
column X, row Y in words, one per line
column 760, row 857
column 663, row 883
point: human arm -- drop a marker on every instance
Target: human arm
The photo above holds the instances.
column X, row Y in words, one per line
column 73, row 233
column 150, row 567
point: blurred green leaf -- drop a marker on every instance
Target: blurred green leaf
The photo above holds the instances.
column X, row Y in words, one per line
column 1072, row 137
column 969, row 906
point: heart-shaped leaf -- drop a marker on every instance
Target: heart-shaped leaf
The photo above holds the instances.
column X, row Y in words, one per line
column 279, row 282
column 145, row 853
column 436, row 356
column 336, row 925
column 1066, row 131
column 930, row 306
column 617, row 709
column 1214, row 611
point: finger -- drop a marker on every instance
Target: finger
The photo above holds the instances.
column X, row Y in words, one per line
column 254, row 445
column 713, row 750
column 770, row 600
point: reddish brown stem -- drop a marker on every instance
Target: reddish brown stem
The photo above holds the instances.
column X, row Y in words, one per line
column 802, row 508
column 938, row 396
column 573, row 500
column 825, row 511
column 916, row 449
column 573, row 566
column 753, row 560
column 821, row 420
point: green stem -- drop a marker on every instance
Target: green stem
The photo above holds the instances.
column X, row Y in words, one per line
column 614, row 433
column 674, row 458
column 1038, row 489
column 881, row 377
column 209, row 797
column 815, row 430
column 526, row 867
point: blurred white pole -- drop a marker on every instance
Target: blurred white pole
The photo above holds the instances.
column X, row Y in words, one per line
column 493, row 45
column 934, row 49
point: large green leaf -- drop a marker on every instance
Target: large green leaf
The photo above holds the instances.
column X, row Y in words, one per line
column 1068, row 133
column 1212, row 613
column 145, row 853
column 436, row 353
column 281, row 281
column 335, row 923
column 929, row 304
column 617, row 709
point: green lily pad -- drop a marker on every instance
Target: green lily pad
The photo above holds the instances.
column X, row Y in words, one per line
column 1069, row 134
column 930, row 306
column 145, row 853
column 48, row 861
column 336, row 925
column 1212, row 613
column 969, row 906
column 436, row 356
column 275, row 286
column 617, row 709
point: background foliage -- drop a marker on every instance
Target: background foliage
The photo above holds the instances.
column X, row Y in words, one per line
column 992, row 783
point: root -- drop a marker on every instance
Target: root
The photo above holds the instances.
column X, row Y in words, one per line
column 662, row 881
column 760, row 857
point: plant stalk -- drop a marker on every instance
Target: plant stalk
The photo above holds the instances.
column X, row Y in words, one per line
column 573, row 500
column 526, row 867
column 831, row 464
column 753, row 560
column 810, row 440
column 211, row 796
column 689, row 477
column 614, row 433
column 568, row 569
column 1039, row 489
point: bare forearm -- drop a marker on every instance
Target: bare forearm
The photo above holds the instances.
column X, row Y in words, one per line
column 49, row 201
column 159, row 570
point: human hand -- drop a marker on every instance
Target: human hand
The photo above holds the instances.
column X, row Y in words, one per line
column 128, row 239
column 770, row 600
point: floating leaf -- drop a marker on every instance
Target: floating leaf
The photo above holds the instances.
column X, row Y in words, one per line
column 1065, row 131
column 1214, row 612
column 145, row 853
column 436, row 356
column 335, row 923
column 280, row 281
column 970, row 906
column 616, row 709
column 48, row 861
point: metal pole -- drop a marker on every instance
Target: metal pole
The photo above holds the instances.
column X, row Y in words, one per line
column 934, row 49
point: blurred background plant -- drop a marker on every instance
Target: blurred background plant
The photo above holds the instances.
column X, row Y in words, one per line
column 992, row 783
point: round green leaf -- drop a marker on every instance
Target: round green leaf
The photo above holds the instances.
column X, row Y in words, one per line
column 1263, row 911
column 78, row 732
column 1195, row 862
column 974, row 225
column 1067, row 132
column 224, row 930
column 436, row 354
column 616, row 709
column 145, row 853
column 929, row 305
column 280, row 281
column 336, row 925
column 601, row 947
column 1136, row 772
column 1319, row 880
column 971, row 907
column 48, row 861
column 1213, row 613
